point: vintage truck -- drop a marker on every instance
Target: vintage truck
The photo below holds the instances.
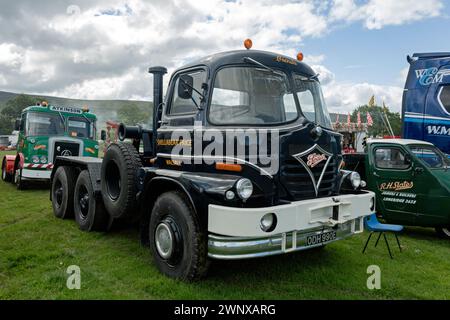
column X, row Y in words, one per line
column 426, row 99
column 240, row 162
column 45, row 132
column 411, row 179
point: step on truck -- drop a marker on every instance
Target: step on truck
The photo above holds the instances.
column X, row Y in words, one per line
column 240, row 162
column 411, row 180
column 45, row 132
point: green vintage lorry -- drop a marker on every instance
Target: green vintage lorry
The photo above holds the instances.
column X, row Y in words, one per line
column 45, row 132
column 411, row 179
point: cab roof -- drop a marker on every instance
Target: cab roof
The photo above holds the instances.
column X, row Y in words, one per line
column 39, row 108
column 270, row 59
column 398, row 141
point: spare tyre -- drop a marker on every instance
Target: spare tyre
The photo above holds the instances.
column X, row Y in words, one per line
column 118, row 180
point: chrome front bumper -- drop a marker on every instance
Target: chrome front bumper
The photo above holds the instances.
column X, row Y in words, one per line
column 235, row 233
column 233, row 248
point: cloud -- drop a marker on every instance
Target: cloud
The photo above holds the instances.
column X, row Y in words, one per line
column 376, row 14
column 344, row 97
column 102, row 48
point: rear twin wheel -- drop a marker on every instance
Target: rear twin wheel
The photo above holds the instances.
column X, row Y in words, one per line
column 5, row 175
column 89, row 212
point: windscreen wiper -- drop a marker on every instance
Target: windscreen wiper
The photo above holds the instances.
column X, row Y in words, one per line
column 250, row 60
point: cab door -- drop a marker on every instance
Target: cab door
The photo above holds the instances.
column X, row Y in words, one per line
column 393, row 183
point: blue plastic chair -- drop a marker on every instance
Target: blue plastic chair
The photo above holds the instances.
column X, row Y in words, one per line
column 373, row 225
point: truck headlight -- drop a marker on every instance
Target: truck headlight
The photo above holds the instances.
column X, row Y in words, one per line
column 244, row 188
column 355, row 179
column 35, row 159
column 43, row 159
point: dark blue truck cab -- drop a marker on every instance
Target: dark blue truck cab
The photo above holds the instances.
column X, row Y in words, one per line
column 426, row 99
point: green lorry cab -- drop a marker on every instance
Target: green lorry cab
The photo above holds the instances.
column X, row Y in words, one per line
column 46, row 132
column 411, row 179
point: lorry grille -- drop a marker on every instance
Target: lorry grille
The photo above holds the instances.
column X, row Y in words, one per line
column 297, row 180
column 65, row 149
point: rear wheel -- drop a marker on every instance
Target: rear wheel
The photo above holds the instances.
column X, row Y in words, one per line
column 177, row 243
column 118, row 180
column 89, row 211
column 63, row 192
column 5, row 175
column 444, row 232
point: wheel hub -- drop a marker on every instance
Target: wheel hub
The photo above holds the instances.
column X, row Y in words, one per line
column 17, row 176
column 84, row 204
column 164, row 240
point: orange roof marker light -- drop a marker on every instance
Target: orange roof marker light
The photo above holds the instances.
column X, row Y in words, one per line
column 44, row 103
column 85, row 108
column 248, row 44
column 300, row 56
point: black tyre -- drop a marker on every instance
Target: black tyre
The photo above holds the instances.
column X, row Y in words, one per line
column 177, row 243
column 18, row 180
column 63, row 191
column 443, row 232
column 90, row 213
column 118, row 180
column 5, row 175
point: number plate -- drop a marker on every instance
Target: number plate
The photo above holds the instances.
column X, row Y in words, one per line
column 321, row 238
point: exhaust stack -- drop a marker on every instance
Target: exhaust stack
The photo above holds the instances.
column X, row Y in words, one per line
column 158, row 74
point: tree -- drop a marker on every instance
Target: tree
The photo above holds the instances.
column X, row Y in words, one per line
column 379, row 127
column 132, row 115
column 12, row 111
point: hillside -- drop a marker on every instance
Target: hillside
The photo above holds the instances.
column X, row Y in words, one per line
column 104, row 109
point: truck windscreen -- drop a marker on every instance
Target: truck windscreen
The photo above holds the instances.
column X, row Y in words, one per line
column 44, row 124
column 311, row 101
column 80, row 127
column 251, row 96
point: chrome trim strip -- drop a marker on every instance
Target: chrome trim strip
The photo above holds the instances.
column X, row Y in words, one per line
column 238, row 160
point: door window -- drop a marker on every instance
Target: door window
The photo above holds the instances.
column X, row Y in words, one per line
column 188, row 103
column 431, row 156
column 390, row 158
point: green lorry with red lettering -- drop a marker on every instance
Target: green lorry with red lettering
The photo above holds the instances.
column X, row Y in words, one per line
column 411, row 180
column 46, row 132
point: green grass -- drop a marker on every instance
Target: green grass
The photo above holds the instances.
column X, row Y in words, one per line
column 36, row 249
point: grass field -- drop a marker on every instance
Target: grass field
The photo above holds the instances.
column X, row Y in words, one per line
column 36, row 249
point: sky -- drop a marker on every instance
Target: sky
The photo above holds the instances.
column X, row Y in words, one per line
column 101, row 49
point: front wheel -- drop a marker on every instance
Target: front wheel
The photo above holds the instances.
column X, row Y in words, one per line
column 444, row 232
column 18, row 180
column 177, row 243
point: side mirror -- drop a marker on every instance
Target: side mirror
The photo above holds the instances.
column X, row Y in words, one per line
column 103, row 135
column 185, row 85
column 17, row 125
